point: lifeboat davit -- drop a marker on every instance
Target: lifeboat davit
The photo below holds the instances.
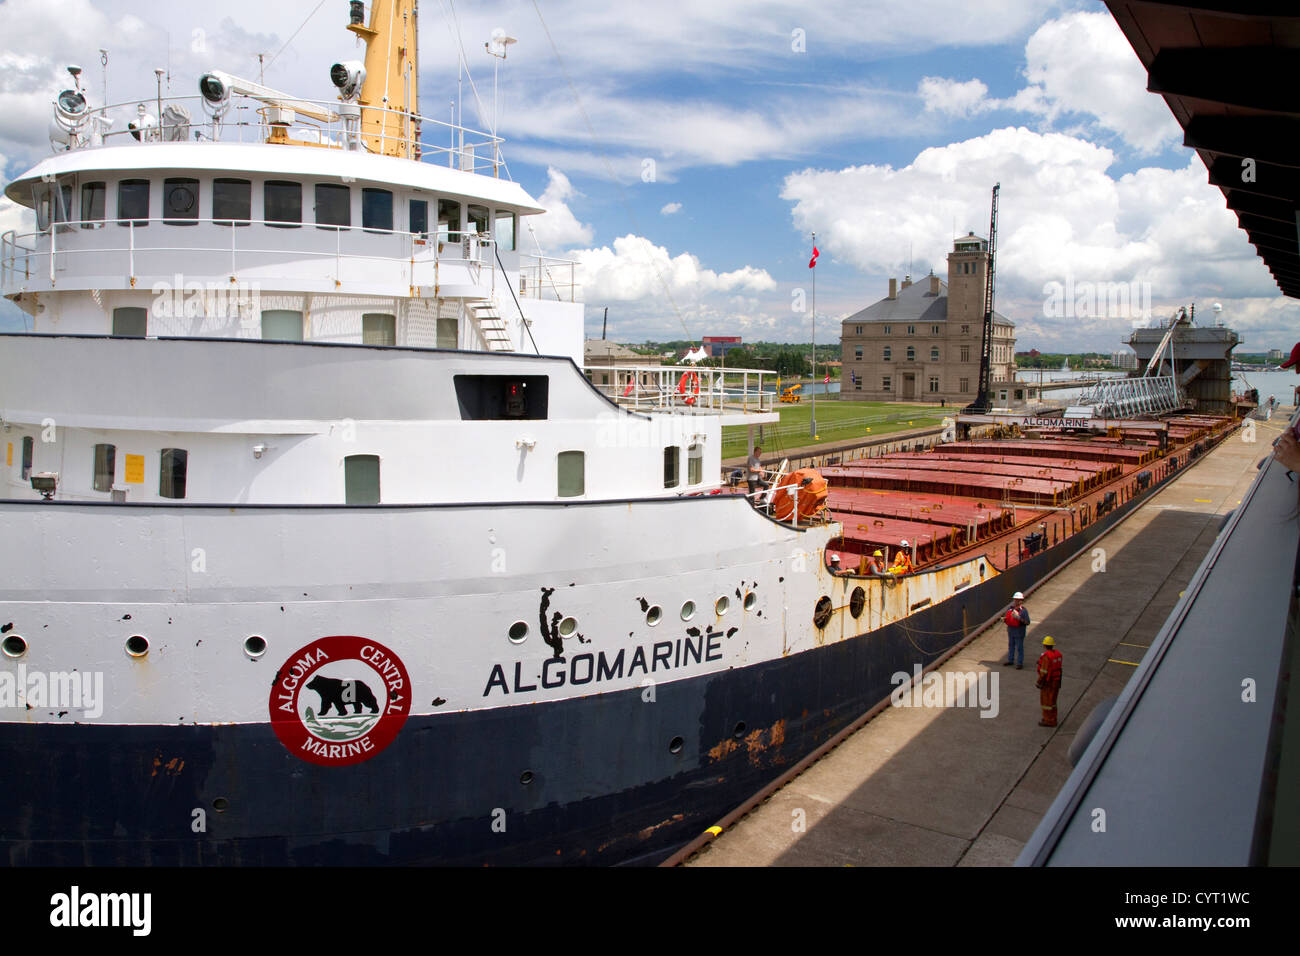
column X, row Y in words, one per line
column 807, row 486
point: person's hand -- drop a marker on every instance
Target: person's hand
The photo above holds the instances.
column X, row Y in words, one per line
column 1287, row 451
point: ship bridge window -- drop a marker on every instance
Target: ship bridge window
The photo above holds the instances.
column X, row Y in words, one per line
column 105, row 467
column 505, row 230
column 378, row 329
column 53, row 204
column 361, row 479
column 133, row 202
column 171, row 473
column 282, row 325
column 418, row 221
column 333, row 205
column 282, row 203
column 500, row 397
column 672, row 466
column 232, row 202
column 478, row 219
column 377, row 210
column 571, row 474
column 131, row 321
column 29, row 449
column 695, row 464
column 448, row 220
column 181, row 202
column 92, row 205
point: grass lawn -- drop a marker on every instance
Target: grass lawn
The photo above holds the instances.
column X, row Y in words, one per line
column 836, row 421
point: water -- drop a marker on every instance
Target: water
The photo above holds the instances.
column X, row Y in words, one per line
column 1280, row 385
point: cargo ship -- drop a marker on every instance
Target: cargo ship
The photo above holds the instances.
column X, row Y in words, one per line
column 322, row 549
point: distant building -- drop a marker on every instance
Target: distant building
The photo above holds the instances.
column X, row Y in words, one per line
column 1124, row 358
column 922, row 341
column 598, row 352
column 719, row 345
column 1276, row 355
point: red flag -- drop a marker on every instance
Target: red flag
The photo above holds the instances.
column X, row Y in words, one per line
column 827, row 380
column 813, row 261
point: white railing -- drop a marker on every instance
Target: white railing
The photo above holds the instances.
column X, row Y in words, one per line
column 544, row 277
column 246, row 121
column 681, row 388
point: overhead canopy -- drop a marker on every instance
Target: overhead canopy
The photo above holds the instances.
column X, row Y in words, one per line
column 1228, row 70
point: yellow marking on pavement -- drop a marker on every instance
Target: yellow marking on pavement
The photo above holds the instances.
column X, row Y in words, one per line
column 1112, row 660
column 1127, row 644
column 1202, row 501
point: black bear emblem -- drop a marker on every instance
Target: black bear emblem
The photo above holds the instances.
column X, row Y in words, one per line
column 339, row 693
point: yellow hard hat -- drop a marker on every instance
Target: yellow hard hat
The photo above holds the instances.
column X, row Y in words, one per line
column 877, row 555
column 1048, row 642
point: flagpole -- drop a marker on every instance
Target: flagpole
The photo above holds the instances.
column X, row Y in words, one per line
column 813, row 386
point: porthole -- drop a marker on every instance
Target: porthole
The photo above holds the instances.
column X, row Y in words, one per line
column 721, row 605
column 654, row 615
column 137, row 645
column 255, row 646
column 688, row 610
column 751, row 599
column 519, row 631
column 739, row 730
column 822, row 612
column 568, row 626
column 526, row 777
column 221, row 804
column 675, row 745
column 14, row 646
column 857, row 602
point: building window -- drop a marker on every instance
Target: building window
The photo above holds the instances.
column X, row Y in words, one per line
column 965, row 353
column 181, row 202
column 105, row 467
column 171, row 473
column 911, row 353
column 133, row 202
column 965, row 330
column 378, row 329
column 888, row 353
column 448, row 220
column 361, row 479
column 857, row 353
column 885, row 384
column 333, row 205
column 130, row 320
column 934, row 354
column 377, row 210
column 92, row 205
column 29, row 449
column 505, row 230
column 886, row 330
column 570, row 474
column 282, row 325
column 232, row 202
column 934, row 330
column 964, row 385
column 911, row 330
column 418, row 221
column 282, row 203
column 857, row 386
column 934, row 383
column 671, row 466
column 857, row 330
column 695, row 464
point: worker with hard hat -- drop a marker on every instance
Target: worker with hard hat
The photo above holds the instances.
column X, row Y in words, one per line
column 1017, row 620
column 902, row 561
column 1049, row 681
column 874, row 564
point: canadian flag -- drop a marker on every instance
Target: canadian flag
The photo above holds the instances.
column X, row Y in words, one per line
column 813, row 261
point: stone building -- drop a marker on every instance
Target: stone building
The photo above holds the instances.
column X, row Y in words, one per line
column 922, row 341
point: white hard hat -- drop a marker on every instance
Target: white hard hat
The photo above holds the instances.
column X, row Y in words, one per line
column 1017, row 596
column 903, row 542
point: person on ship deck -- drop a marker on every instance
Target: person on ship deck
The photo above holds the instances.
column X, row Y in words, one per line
column 902, row 561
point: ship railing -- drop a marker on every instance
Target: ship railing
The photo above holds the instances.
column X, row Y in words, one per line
column 157, row 249
column 685, row 389
column 546, row 277
column 313, row 122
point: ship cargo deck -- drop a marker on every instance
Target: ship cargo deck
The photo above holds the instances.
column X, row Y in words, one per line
column 944, row 785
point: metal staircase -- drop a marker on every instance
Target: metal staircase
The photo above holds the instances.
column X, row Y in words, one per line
column 1147, row 394
column 491, row 326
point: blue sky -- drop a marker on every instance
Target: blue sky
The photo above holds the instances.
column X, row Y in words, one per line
column 881, row 126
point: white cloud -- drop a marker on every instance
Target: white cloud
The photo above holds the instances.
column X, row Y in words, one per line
column 670, row 208
column 636, row 269
column 1061, row 214
column 558, row 227
column 951, row 97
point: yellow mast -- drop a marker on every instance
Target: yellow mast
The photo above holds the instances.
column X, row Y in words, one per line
column 392, row 78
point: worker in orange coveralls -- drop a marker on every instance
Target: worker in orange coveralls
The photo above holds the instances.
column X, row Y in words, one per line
column 902, row 561
column 1049, row 681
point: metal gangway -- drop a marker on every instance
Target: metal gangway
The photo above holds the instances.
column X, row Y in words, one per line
column 1147, row 394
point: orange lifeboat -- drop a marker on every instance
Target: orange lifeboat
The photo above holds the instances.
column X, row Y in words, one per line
column 811, row 494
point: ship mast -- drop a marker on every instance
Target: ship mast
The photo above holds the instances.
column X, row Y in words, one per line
column 983, row 401
column 390, row 96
